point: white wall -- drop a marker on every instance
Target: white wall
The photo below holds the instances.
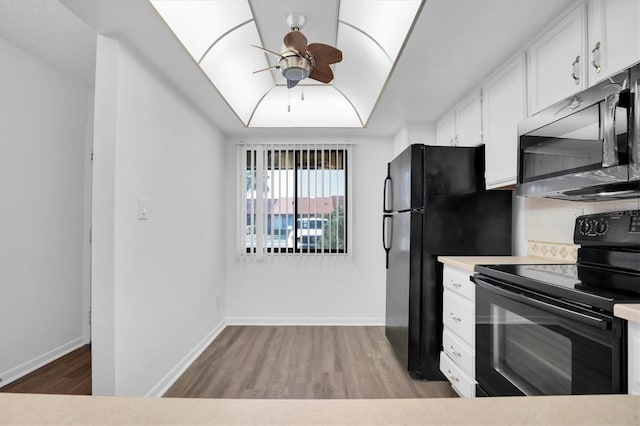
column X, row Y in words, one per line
column 155, row 281
column 518, row 237
column 43, row 116
column 414, row 132
column 302, row 290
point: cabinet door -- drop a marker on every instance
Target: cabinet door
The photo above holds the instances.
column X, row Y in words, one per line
column 446, row 130
column 463, row 384
column 469, row 121
column 614, row 36
column 557, row 66
column 503, row 106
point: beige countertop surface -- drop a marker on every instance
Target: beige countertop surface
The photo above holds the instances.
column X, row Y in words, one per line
column 628, row 311
column 22, row 409
column 467, row 263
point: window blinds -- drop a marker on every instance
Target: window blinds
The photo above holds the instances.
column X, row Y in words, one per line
column 294, row 199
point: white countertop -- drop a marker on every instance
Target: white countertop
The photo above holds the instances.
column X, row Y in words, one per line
column 22, row 409
column 628, row 311
column 467, row 263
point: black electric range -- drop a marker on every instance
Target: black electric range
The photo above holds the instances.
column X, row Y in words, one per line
column 607, row 270
column 549, row 329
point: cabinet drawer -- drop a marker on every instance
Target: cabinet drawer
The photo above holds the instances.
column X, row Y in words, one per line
column 459, row 352
column 458, row 315
column 458, row 281
column 464, row 385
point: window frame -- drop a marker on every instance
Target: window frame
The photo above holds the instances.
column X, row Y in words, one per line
column 256, row 206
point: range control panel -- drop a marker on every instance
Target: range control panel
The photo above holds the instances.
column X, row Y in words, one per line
column 608, row 229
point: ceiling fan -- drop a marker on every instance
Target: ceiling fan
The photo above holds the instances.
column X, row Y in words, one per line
column 300, row 60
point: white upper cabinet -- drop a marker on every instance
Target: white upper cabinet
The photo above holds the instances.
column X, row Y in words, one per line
column 503, row 106
column 446, row 130
column 463, row 125
column 556, row 62
column 613, row 35
column 469, row 121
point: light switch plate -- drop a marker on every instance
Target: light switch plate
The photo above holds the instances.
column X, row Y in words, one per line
column 143, row 209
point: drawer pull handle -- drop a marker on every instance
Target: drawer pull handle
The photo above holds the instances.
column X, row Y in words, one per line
column 453, row 351
column 456, row 319
column 452, row 377
column 455, row 284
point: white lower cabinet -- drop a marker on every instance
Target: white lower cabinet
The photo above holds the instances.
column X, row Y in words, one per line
column 462, row 383
column 457, row 359
column 633, row 340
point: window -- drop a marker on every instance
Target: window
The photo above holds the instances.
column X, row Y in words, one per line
column 294, row 199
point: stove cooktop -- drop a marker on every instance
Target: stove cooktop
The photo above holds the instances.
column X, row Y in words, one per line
column 593, row 286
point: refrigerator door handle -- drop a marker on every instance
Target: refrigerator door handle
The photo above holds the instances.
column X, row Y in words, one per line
column 385, row 205
column 386, row 247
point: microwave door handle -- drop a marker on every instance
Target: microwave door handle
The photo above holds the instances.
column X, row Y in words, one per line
column 609, row 142
column 635, row 137
column 548, row 307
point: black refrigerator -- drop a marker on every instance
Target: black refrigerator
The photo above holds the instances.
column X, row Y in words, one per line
column 435, row 204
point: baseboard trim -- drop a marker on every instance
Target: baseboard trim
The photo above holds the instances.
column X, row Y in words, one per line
column 32, row 365
column 170, row 378
column 340, row 321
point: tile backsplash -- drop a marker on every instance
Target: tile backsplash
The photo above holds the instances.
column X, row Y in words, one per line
column 549, row 224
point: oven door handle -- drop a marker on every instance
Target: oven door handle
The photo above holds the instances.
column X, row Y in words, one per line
column 554, row 309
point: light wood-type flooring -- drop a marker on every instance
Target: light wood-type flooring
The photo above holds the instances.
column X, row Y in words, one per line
column 301, row 362
column 69, row 375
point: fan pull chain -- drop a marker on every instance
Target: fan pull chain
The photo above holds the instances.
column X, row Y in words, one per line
column 289, row 95
column 302, row 94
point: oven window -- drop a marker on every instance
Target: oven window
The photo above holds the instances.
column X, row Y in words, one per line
column 570, row 145
column 531, row 356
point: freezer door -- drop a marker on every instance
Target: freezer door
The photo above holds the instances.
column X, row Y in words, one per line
column 404, row 184
column 452, row 171
column 402, row 325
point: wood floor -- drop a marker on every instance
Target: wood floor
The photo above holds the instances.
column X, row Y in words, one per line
column 69, row 375
column 301, row 363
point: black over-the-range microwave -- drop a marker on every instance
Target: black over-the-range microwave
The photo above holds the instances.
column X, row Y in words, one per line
column 585, row 147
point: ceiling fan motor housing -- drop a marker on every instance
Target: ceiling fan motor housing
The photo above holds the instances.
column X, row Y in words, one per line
column 295, row 67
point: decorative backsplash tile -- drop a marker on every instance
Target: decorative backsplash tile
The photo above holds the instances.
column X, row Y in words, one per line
column 553, row 251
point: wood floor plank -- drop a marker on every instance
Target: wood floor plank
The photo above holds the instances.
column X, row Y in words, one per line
column 301, row 362
column 68, row 375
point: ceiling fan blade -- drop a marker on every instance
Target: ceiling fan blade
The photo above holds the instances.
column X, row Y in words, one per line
column 265, row 69
column 292, row 83
column 267, row 50
column 324, row 54
column 296, row 40
column 322, row 74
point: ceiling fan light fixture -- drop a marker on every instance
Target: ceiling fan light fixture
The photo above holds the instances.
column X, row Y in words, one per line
column 295, row 67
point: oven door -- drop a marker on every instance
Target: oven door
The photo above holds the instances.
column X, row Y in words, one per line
column 529, row 344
